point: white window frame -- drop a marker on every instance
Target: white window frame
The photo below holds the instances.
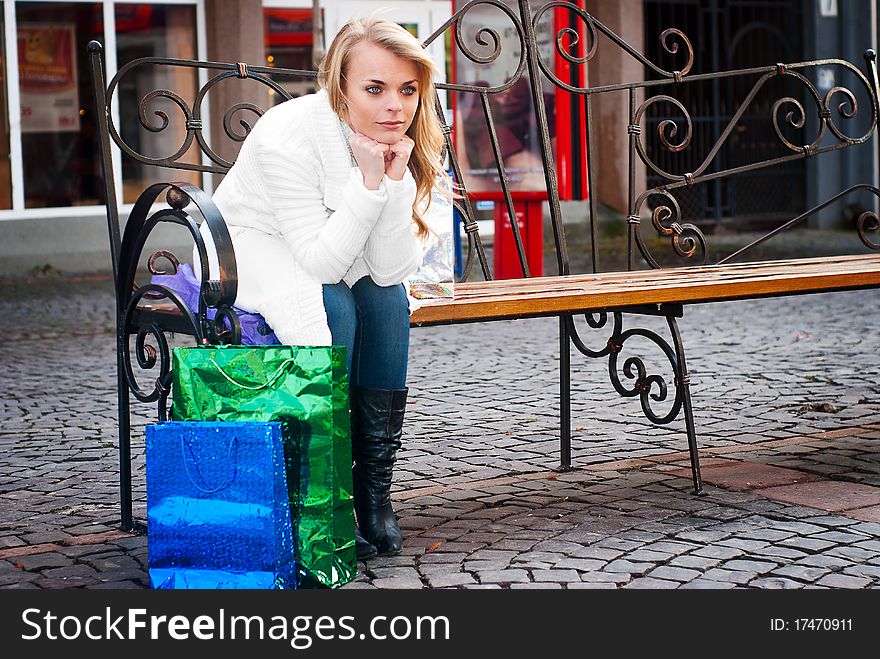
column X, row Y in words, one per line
column 10, row 36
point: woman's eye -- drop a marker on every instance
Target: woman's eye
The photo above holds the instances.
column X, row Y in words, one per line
column 374, row 89
column 409, row 91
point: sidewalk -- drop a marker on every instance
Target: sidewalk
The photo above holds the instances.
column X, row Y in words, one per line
column 787, row 414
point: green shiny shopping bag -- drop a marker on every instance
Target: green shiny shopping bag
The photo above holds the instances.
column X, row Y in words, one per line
column 307, row 389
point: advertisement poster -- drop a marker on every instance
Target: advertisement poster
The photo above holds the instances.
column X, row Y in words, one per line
column 512, row 110
column 47, row 74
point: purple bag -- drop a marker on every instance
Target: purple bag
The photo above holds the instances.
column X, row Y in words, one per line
column 255, row 330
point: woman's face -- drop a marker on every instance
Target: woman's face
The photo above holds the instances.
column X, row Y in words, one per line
column 381, row 92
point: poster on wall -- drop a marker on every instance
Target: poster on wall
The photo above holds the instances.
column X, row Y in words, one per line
column 512, row 110
column 47, row 75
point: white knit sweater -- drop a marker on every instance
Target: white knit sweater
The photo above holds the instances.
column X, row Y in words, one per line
column 295, row 180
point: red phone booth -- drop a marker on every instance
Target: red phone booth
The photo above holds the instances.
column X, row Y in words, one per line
column 517, row 132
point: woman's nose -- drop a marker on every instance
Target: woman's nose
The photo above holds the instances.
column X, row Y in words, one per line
column 395, row 104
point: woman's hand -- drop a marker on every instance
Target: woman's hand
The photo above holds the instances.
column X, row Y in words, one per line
column 397, row 158
column 370, row 157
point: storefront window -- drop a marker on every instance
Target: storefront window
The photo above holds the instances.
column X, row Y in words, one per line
column 288, row 41
column 149, row 30
column 5, row 170
column 57, row 117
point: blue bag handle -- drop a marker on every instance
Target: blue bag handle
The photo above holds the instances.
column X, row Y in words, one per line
column 230, row 474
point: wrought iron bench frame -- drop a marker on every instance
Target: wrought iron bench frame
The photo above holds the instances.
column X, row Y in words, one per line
column 149, row 311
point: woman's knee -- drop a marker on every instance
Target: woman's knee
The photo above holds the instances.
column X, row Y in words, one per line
column 387, row 301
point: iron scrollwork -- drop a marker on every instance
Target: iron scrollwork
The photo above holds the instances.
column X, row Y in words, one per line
column 192, row 114
column 151, row 348
column 869, row 221
column 650, row 388
column 567, row 38
column 687, row 240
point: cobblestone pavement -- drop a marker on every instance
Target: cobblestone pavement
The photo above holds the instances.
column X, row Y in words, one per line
column 787, row 414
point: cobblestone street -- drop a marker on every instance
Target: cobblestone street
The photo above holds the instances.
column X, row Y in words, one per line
column 787, row 407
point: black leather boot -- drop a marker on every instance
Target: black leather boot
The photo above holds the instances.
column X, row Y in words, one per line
column 362, row 548
column 377, row 426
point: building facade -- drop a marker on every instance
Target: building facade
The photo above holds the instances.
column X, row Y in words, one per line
column 51, row 192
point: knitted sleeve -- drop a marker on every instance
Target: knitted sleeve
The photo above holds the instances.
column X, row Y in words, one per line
column 324, row 242
column 392, row 251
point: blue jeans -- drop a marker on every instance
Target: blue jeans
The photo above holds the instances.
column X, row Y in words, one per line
column 372, row 321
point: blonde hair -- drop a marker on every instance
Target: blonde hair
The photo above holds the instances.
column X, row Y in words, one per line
column 426, row 130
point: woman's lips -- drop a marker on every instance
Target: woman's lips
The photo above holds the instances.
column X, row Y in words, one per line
column 391, row 124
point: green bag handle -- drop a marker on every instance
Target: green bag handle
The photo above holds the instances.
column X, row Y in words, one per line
column 271, row 381
column 230, row 474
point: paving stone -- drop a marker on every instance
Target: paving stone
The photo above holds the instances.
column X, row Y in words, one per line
column 115, row 585
column 851, row 553
column 392, row 583
column 503, row 576
column 40, row 561
column 824, row 560
column 61, row 582
column 476, row 566
column 483, row 586
column 870, row 545
column 743, row 543
column 442, row 557
column 844, row 581
column 775, row 583
column 694, row 561
column 808, row 543
column 600, row 553
column 744, row 565
column 647, row 556
column 708, row 584
column 839, row 537
column 672, row 573
column 611, row 577
column 358, row 585
column 10, row 578
column 718, row 551
column 543, row 585
column 870, row 571
column 395, row 573
column 70, row 571
column 582, row 564
column 447, row 580
column 732, row 576
column 591, row 585
column 703, row 536
column 801, row 572
column 649, row 582
column 560, row 576
column 742, row 476
column 825, row 495
column 779, row 552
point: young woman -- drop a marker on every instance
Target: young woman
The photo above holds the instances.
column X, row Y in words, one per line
column 327, row 205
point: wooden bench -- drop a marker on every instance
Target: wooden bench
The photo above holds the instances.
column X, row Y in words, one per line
column 147, row 312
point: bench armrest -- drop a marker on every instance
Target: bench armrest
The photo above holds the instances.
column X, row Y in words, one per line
column 219, row 294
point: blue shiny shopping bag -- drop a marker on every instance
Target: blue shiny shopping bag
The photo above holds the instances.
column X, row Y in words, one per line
column 218, row 512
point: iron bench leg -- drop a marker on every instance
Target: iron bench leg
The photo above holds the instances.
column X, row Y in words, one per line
column 683, row 380
column 124, row 401
column 564, row 394
column 642, row 385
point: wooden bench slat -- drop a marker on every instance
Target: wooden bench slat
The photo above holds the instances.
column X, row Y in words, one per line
column 496, row 300
column 543, row 296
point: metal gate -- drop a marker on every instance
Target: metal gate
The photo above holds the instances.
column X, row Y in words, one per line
column 730, row 34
